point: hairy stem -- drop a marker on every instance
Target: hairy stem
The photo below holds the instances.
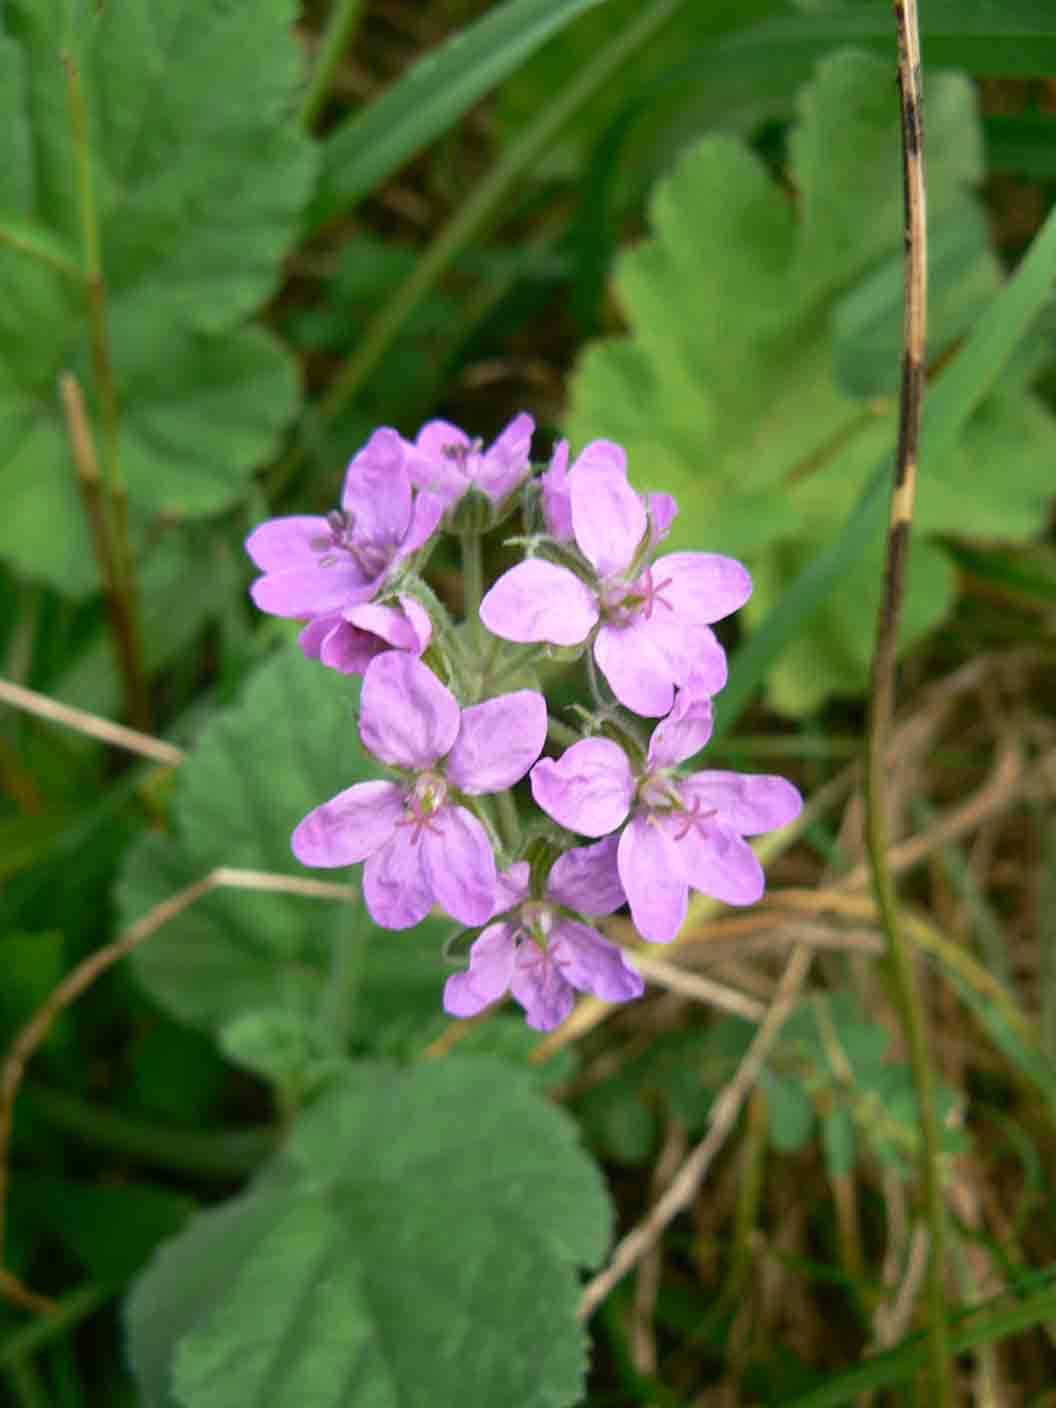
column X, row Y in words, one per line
column 881, row 707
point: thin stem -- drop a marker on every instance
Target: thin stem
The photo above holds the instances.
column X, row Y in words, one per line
column 123, row 563
column 118, row 601
column 561, row 733
column 344, row 19
column 36, row 248
column 347, row 947
column 509, row 821
column 907, row 996
column 472, row 592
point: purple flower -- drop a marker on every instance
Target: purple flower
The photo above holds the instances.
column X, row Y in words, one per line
column 557, row 499
column 447, row 463
column 541, row 954
column 653, row 617
column 321, row 567
column 349, row 642
column 421, row 846
column 684, row 831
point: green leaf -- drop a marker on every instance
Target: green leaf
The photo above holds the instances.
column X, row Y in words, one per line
column 742, row 387
column 367, row 148
column 288, row 745
column 790, row 1113
column 284, row 1048
column 416, row 1243
column 191, row 175
column 838, row 1140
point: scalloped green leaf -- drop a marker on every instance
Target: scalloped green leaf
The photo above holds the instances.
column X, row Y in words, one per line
column 751, row 383
column 289, row 744
column 198, row 175
column 416, row 1243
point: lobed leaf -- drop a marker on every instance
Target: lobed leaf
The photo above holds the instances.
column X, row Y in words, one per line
column 189, row 173
column 751, row 383
column 451, row 1198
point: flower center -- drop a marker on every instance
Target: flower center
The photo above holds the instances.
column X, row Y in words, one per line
column 622, row 602
column 461, row 455
column 424, row 803
column 341, row 541
column 660, row 795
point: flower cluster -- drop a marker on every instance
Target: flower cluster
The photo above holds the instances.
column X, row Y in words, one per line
column 444, row 830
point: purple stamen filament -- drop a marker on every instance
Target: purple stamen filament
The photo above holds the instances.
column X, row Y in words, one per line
column 692, row 816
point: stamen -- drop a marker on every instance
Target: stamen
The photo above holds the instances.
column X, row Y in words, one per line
column 693, row 816
column 421, row 820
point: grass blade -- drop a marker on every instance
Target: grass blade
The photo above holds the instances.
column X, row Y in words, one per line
column 376, row 141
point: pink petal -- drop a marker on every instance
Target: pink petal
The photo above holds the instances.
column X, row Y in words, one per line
column 638, row 673
column 512, row 887
column 389, row 623
column 459, row 865
column 588, row 789
column 284, row 543
column 498, row 741
column 721, row 865
column 425, row 516
column 377, row 490
column 654, row 879
column 300, row 592
column 539, row 987
column 350, row 827
column 395, row 887
column 431, row 465
column 663, row 510
column 703, row 586
column 604, row 455
column 419, row 621
column 592, row 964
column 491, row 961
column 508, row 460
column 608, row 516
column 538, row 600
column 587, row 879
column 557, row 506
column 339, row 646
column 407, row 717
column 748, row 803
column 692, row 652
column 684, row 732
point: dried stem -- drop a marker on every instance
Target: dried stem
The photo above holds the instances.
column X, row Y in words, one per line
column 92, row 725
column 97, row 511
column 725, row 1111
column 907, row 996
